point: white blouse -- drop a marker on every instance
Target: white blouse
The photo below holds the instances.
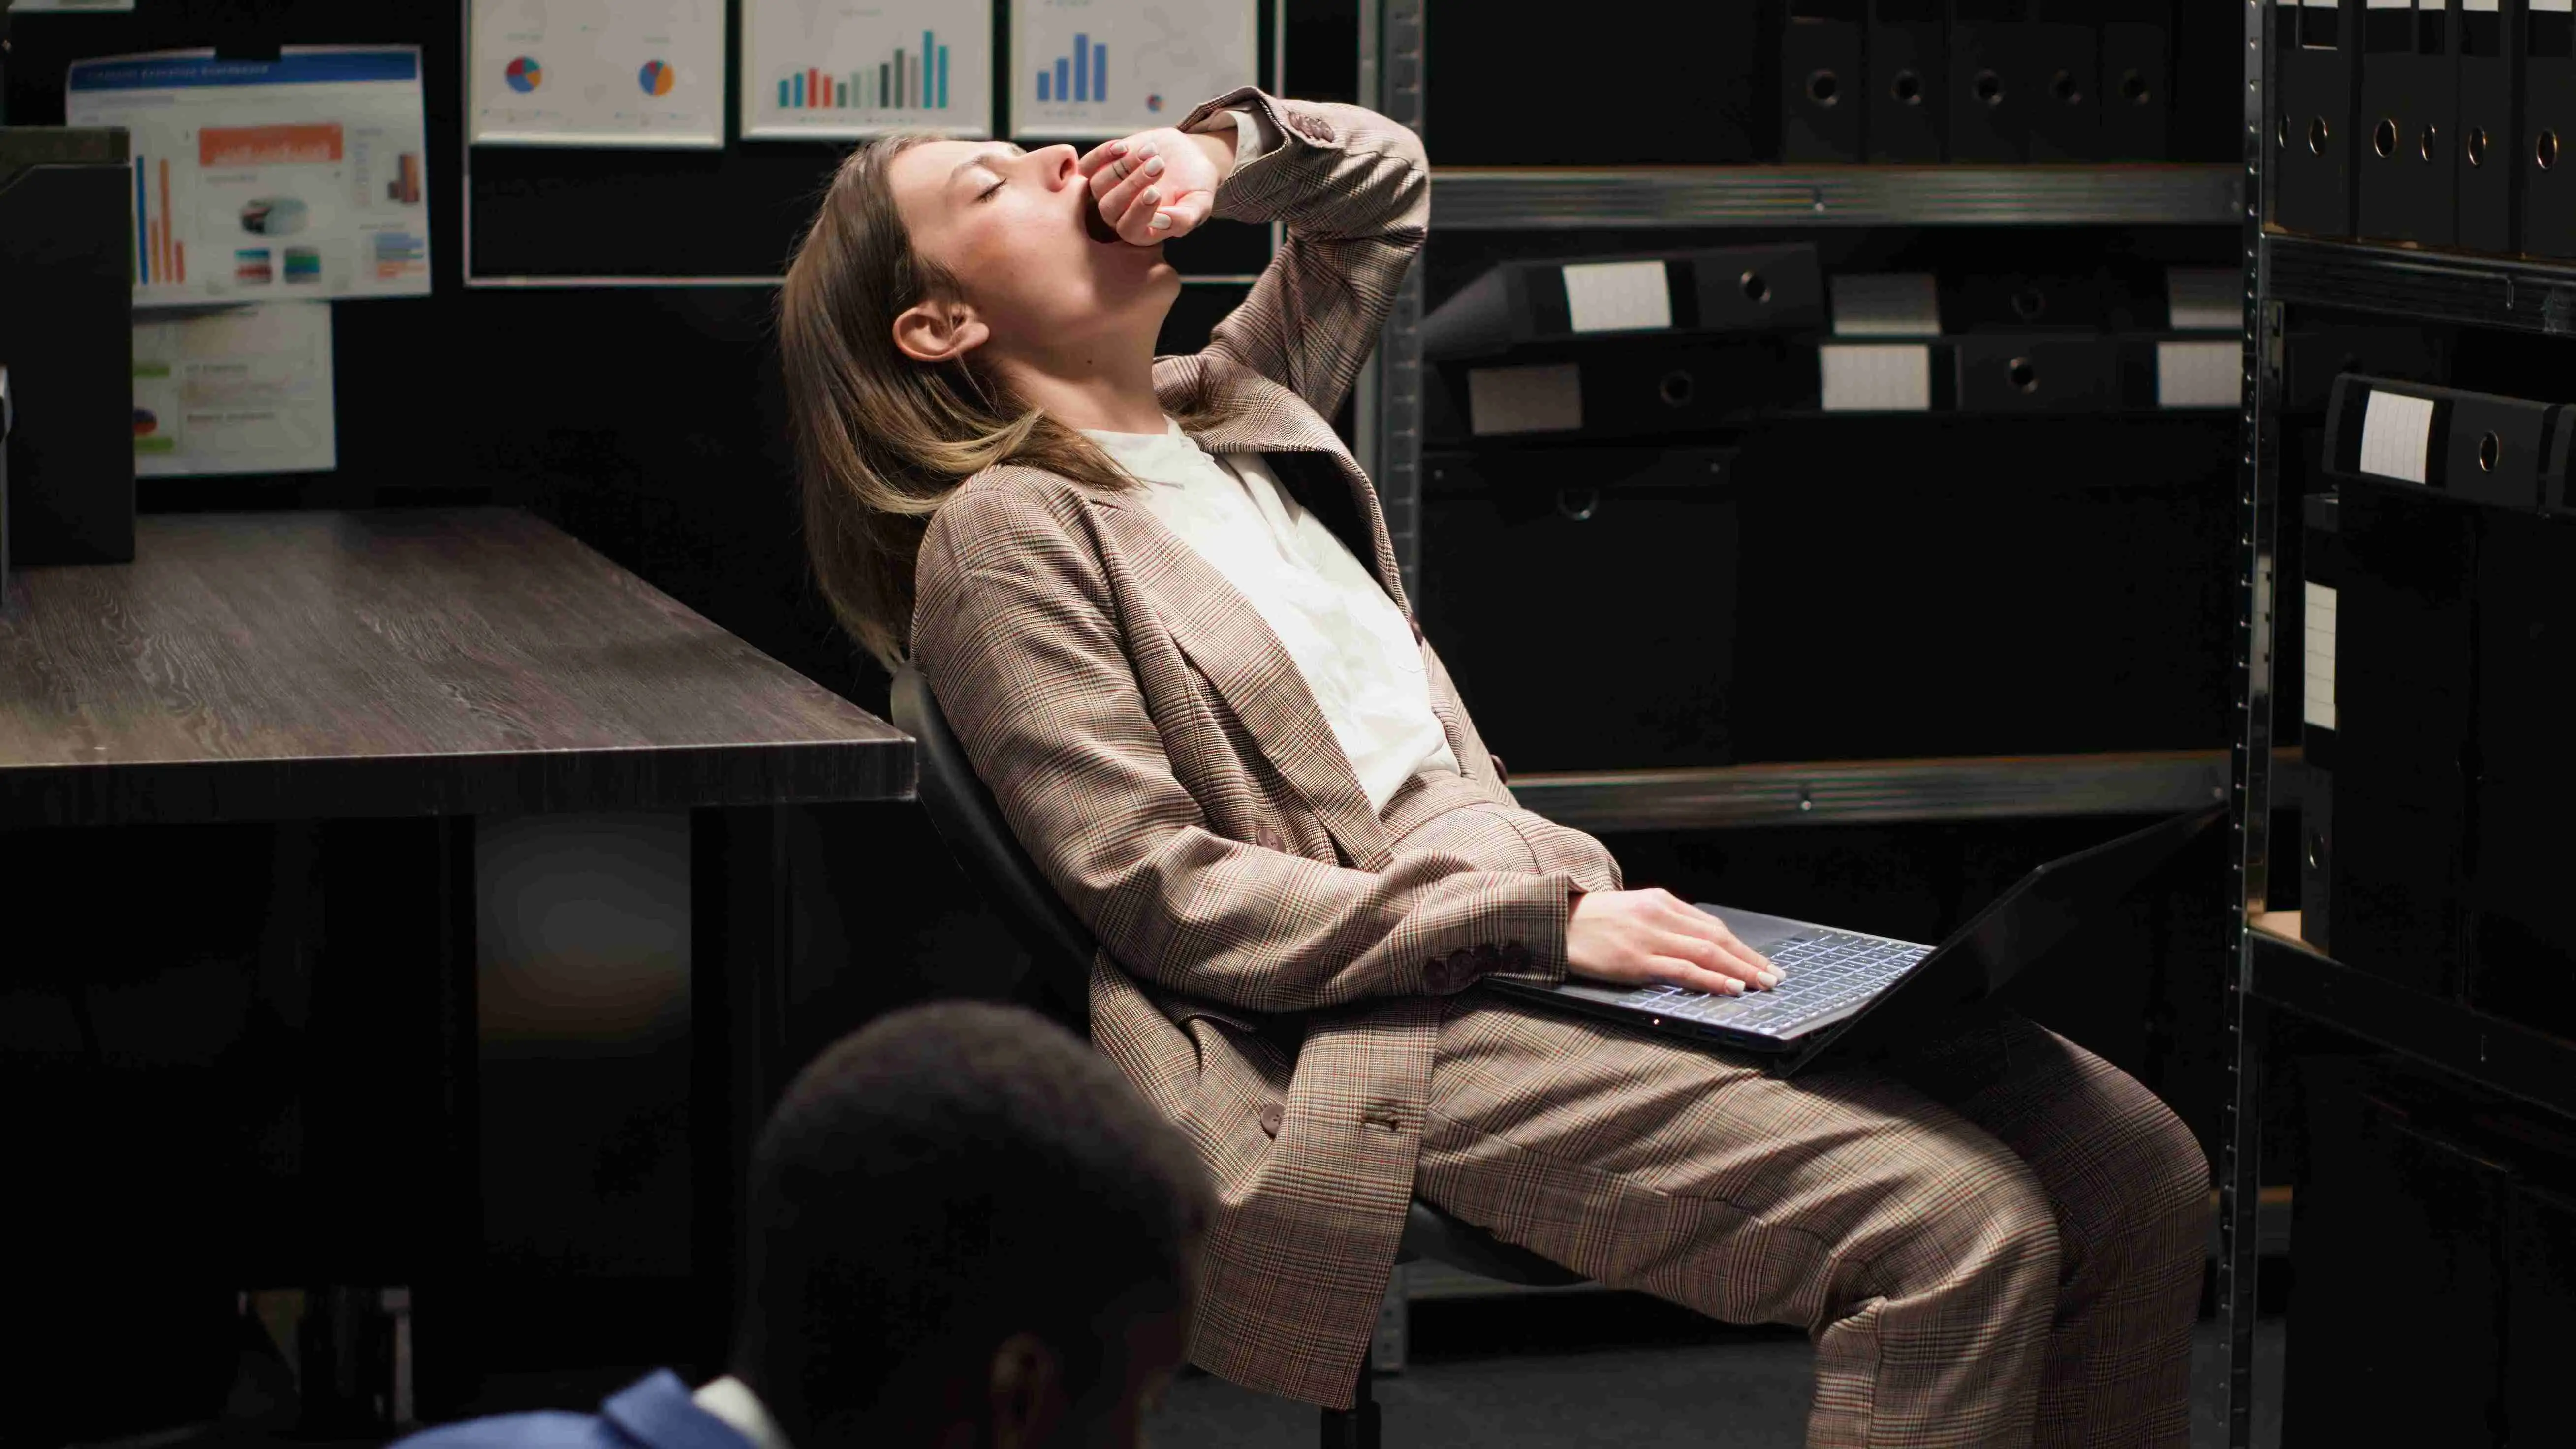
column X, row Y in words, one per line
column 1352, row 644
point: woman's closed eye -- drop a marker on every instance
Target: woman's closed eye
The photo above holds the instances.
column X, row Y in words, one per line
column 987, row 193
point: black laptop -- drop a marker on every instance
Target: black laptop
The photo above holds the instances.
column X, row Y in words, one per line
column 1847, row 992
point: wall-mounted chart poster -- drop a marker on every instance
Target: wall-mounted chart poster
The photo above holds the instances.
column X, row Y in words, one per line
column 597, row 73
column 303, row 176
column 865, row 67
column 1100, row 68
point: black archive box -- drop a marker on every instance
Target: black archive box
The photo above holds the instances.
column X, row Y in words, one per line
column 2409, row 101
column 1993, row 90
column 2490, row 81
column 2316, row 51
column 2137, row 79
column 1637, row 387
column 2548, row 175
column 66, row 309
column 1821, row 80
column 2050, row 372
column 2064, row 40
column 2321, row 559
column 1584, row 599
column 1908, row 80
column 1764, row 288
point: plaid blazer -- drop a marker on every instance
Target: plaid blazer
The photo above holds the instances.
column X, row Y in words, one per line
column 1270, row 945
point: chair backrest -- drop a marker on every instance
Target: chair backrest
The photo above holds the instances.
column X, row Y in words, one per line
column 968, row 820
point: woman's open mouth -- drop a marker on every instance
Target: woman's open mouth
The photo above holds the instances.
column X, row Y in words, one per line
column 1097, row 226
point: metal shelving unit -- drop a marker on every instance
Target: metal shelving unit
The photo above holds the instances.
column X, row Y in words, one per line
column 1860, row 792
column 1512, row 199
column 2289, row 276
column 1388, row 408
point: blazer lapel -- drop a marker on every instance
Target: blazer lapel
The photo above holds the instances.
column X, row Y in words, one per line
column 1233, row 646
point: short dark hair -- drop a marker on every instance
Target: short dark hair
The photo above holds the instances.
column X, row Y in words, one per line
column 932, row 1184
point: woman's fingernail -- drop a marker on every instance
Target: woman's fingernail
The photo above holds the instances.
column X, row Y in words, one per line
column 1149, row 195
column 1144, row 148
column 1162, row 221
column 1117, row 148
column 1154, row 167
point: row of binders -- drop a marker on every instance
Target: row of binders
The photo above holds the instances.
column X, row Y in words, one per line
column 2438, row 636
column 2437, row 122
column 1895, row 342
column 1976, row 82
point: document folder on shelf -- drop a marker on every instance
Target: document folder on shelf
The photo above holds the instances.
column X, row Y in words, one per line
column 2485, row 140
column 2548, row 177
column 1821, row 80
column 2476, row 447
column 2321, row 568
column 1907, row 80
column 2409, row 102
column 1992, row 91
column 1775, row 287
column 2038, row 373
column 66, row 320
column 2137, row 79
column 2065, row 53
column 2317, row 49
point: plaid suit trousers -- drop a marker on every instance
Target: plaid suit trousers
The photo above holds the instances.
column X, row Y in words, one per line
column 1997, row 1242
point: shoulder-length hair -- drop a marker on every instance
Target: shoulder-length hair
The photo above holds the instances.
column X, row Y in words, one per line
column 882, row 439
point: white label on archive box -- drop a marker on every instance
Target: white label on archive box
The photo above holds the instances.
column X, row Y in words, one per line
column 1617, row 296
column 1524, row 399
column 1876, row 378
column 2318, row 671
column 2199, row 374
column 2396, row 436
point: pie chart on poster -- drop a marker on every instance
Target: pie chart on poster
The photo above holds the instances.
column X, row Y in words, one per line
column 656, row 78
column 524, row 74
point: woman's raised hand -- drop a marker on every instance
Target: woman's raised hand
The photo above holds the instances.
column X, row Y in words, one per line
column 1640, row 938
column 1156, row 185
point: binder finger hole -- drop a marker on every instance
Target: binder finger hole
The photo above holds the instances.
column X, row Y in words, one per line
column 1675, row 389
column 2544, row 150
column 1824, row 88
column 1989, row 88
column 1578, row 504
column 1755, row 288
column 2383, row 137
column 2490, row 448
column 2281, row 135
column 2428, row 143
column 2029, row 304
column 2134, row 88
column 2475, row 143
column 2318, row 134
column 2023, row 375
column 2062, row 85
column 1907, row 88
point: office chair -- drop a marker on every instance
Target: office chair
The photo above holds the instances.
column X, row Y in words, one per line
column 1060, row 950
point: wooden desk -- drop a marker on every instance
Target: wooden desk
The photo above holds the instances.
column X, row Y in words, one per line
column 380, row 679
column 400, row 662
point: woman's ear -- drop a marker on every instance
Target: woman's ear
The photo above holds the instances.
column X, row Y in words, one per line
column 939, row 329
column 1027, row 1395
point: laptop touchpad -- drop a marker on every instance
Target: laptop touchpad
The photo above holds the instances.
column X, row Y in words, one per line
column 1755, row 929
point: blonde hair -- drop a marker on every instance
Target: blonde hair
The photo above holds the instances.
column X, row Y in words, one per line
column 882, row 439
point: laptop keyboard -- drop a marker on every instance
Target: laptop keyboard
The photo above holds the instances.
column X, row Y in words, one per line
column 1820, row 977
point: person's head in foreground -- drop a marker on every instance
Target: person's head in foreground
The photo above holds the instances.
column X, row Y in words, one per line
column 966, row 1230
column 959, row 303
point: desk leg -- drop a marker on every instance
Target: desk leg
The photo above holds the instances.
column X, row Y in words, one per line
column 739, row 993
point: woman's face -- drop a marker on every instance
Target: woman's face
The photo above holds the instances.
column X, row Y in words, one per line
column 1023, row 236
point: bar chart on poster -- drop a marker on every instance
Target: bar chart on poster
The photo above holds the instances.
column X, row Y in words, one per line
column 597, row 72
column 1099, row 68
column 836, row 68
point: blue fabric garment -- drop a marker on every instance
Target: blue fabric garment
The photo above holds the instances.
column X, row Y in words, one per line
column 654, row 1412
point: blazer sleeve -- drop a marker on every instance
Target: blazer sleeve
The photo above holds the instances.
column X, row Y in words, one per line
column 1018, row 635
column 1355, row 194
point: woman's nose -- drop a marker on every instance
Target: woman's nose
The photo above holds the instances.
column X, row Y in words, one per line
column 1057, row 163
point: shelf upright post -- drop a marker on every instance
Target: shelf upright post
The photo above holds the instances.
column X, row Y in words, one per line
column 2240, row 1125
column 1387, row 406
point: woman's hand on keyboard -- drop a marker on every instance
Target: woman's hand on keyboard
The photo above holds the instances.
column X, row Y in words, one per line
column 1648, row 937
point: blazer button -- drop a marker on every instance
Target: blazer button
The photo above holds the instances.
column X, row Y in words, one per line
column 1271, row 1117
